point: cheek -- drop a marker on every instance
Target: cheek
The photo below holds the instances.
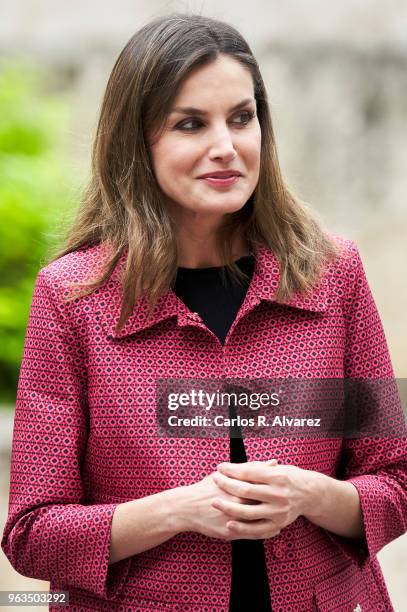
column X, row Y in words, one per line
column 251, row 149
column 257, row 145
column 176, row 160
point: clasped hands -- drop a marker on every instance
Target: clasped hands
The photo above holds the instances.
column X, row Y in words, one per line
column 270, row 497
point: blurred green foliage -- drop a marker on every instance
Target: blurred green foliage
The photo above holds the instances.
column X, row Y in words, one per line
column 34, row 193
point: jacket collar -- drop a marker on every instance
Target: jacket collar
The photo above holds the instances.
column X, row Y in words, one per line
column 267, row 278
column 262, row 287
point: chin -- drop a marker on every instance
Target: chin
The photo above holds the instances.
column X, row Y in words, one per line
column 231, row 205
column 219, row 209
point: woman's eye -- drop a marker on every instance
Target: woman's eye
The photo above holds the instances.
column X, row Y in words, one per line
column 247, row 117
column 183, row 126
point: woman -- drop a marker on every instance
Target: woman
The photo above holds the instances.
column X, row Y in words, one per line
column 190, row 259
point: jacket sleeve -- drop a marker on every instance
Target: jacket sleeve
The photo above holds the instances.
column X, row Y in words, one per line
column 375, row 465
column 51, row 532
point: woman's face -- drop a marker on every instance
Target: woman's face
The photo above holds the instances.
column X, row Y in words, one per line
column 223, row 136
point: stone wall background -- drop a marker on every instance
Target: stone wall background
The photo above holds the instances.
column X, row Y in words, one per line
column 336, row 74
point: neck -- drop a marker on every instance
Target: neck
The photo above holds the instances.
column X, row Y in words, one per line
column 199, row 250
column 196, row 234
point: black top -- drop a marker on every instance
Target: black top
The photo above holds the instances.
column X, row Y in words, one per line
column 203, row 291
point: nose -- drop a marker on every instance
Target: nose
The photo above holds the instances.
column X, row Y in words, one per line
column 222, row 146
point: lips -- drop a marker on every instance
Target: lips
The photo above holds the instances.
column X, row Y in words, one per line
column 222, row 174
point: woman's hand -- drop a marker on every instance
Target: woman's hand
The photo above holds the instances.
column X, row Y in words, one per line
column 197, row 511
column 279, row 494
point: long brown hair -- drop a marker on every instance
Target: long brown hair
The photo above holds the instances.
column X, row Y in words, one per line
column 122, row 206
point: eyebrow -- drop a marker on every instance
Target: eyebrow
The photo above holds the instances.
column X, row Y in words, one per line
column 190, row 110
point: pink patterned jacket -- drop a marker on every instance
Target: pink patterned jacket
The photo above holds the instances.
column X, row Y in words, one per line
column 85, row 440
